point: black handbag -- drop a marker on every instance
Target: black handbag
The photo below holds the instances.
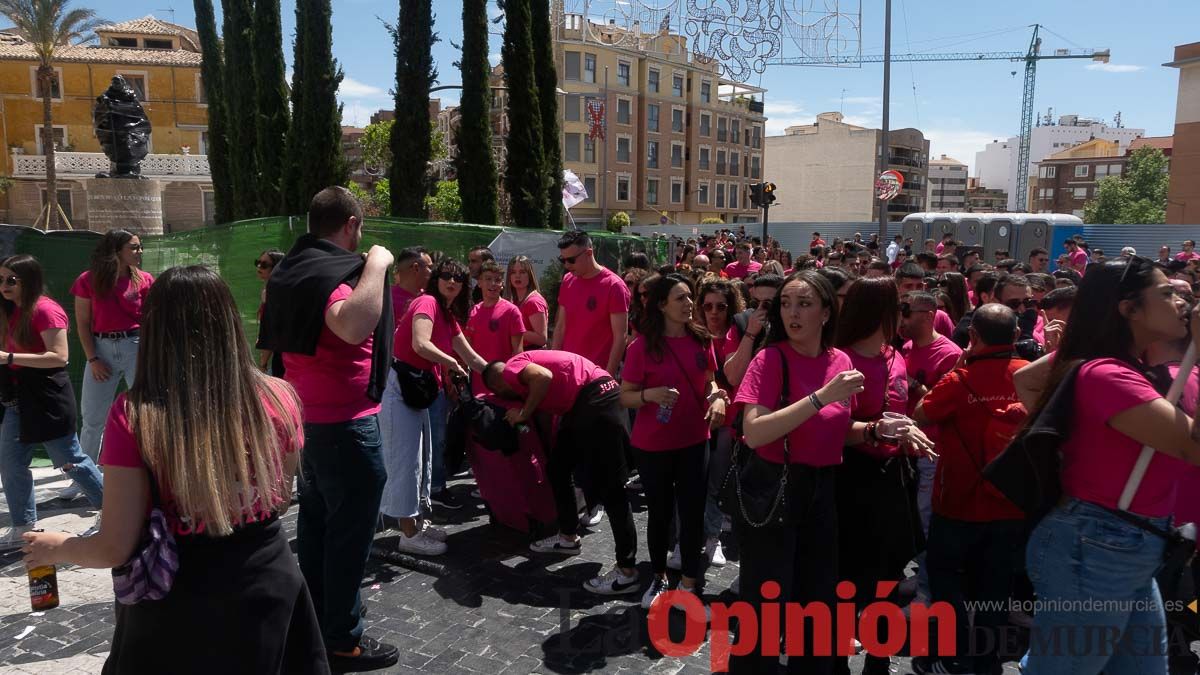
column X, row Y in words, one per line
column 754, row 490
column 418, row 388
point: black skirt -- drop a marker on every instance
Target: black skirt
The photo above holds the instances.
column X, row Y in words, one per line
column 238, row 605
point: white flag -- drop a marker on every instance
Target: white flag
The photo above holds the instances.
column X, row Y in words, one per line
column 573, row 191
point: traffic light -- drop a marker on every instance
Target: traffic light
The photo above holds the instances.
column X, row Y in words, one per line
column 768, row 192
column 756, row 195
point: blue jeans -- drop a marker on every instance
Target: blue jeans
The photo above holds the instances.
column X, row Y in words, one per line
column 407, row 454
column 1081, row 552
column 438, row 414
column 18, row 479
column 341, row 480
column 97, row 397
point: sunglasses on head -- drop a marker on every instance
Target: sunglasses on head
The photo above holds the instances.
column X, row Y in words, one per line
column 263, row 264
column 451, row 276
column 1016, row 304
column 11, row 280
column 720, row 306
column 906, row 310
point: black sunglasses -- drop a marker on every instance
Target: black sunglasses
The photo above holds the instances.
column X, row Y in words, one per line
column 720, row 306
column 263, row 264
column 906, row 310
column 451, row 276
column 11, row 280
column 1016, row 303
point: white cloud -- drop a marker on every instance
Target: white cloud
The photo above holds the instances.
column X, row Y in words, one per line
column 353, row 89
column 783, row 114
column 1114, row 67
column 494, row 59
column 958, row 143
column 860, row 100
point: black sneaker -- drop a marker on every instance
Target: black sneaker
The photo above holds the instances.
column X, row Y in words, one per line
column 445, row 499
column 372, row 655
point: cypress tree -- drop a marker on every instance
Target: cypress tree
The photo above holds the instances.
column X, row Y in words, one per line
column 296, row 197
column 524, row 177
column 211, row 75
column 240, row 100
column 314, row 152
column 476, row 169
column 410, row 140
column 547, row 84
column 272, row 105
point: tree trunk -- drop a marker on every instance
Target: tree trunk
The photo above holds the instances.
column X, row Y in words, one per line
column 45, row 75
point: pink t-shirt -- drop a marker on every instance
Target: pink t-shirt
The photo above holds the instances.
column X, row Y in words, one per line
column 1187, row 500
column 47, row 314
column 533, row 303
column 1184, row 256
column 121, row 449
column 1079, row 260
column 737, row 270
column 490, row 331
column 444, row 331
column 817, row 442
column 1097, row 459
column 930, row 363
column 571, row 373
column 400, row 299
column 939, row 248
column 885, row 389
column 687, row 371
column 942, row 323
column 332, row 383
column 589, row 304
column 121, row 308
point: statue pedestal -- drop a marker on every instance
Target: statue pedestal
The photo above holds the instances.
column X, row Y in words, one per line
column 124, row 203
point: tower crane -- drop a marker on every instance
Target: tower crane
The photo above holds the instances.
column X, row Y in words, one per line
column 1030, row 57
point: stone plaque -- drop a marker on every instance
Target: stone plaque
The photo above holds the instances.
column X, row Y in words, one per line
column 124, row 203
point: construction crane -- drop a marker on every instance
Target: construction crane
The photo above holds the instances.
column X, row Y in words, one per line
column 1030, row 57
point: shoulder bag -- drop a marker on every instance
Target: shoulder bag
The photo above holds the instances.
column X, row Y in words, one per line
column 150, row 572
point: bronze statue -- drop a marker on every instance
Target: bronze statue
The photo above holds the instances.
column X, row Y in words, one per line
column 123, row 129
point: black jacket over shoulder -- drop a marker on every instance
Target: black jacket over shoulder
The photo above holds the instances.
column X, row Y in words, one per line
column 297, row 291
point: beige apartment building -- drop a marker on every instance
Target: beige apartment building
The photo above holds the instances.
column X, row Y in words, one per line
column 825, row 171
column 682, row 144
column 947, row 185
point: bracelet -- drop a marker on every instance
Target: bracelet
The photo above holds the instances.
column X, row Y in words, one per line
column 816, row 402
column 748, row 334
column 872, row 433
column 10, row 358
column 93, row 359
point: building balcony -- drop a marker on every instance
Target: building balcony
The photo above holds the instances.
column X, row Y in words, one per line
column 88, row 164
column 905, row 161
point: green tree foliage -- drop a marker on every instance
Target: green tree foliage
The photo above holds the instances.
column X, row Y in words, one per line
column 524, row 177
column 213, row 78
column 272, row 106
column 1138, row 196
column 547, row 85
column 445, row 202
column 415, row 74
column 475, row 166
column 376, row 144
column 240, row 102
column 617, row 222
column 314, row 142
column 712, row 221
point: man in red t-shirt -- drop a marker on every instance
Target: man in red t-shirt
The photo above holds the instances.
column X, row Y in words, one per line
column 975, row 532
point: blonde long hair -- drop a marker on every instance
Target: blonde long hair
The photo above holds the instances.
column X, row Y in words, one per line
column 198, row 406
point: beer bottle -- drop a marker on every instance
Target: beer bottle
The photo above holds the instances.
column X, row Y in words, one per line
column 43, row 588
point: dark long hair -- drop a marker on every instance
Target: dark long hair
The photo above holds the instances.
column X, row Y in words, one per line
column 955, row 286
column 26, row 268
column 777, row 331
column 1096, row 329
column 725, row 289
column 461, row 306
column 654, row 321
column 870, row 305
column 106, row 262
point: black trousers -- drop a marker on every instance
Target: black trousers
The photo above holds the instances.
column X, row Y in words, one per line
column 974, row 561
column 802, row 559
column 593, row 435
column 670, row 478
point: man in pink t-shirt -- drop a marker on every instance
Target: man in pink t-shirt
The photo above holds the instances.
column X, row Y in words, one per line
column 743, row 266
column 1077, row 257
column 342, row 473
column 413, row 268
column 1188, row 253
column 593, row 305
column 495, row 325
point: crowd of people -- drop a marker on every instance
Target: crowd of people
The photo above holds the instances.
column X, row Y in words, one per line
column 832, row 413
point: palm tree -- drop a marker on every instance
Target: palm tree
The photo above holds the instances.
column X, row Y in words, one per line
column 48, row 25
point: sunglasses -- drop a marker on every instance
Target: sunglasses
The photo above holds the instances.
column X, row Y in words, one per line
column 11, row 280
column 570, row 259
column 451, row 276
column 263, row 264
column 720, row 306
column 906, row 310
column 1016, row 304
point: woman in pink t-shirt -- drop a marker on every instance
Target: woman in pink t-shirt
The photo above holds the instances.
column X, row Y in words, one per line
column 809, row 431
column 1082, row 551
column 108, row 314
column 38, row 399
column 213, row 442
column 669, row 377
column 521, row 289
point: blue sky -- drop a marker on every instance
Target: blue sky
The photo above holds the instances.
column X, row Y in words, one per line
column 959, row 106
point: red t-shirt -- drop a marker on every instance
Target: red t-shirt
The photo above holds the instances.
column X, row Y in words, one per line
column 589, row 304
column 817, row 442
column 47, row 314
column 121, row 449
column 571, row 373
column 121, row 308
column 963, row 404
column 1097, row 459
column 332, row 383
column 533, row 303
column 736, row 270
column 444, row 331
column 490, row 331
column 686, row 371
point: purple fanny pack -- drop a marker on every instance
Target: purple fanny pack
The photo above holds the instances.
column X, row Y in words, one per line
column 150, row 573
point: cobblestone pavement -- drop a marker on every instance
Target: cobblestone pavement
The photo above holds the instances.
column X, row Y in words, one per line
column 488, row 606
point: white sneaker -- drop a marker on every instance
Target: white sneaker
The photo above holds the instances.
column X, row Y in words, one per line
column 419, row 544
column 592, row 518
column 434, row 533
column 556, row 544
column 658, row 586
column 675, row 560
column 613, row 583
column 70, row 493
column 716, row 557
column 93, row 529
column 12, row 537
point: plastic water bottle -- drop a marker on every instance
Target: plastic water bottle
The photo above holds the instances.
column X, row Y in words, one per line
column 664, row 414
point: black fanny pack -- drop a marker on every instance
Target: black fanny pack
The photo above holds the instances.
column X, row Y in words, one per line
column 418, row 388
